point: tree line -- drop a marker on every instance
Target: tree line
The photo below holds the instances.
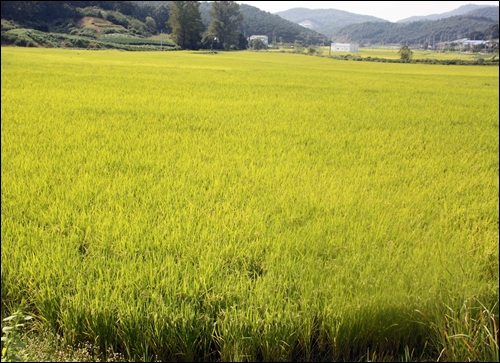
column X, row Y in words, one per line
column 186, row 24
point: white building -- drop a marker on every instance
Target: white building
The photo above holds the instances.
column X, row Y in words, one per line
column 264, row 38
column 344, row 47
column 474, row 42
column 307, row 24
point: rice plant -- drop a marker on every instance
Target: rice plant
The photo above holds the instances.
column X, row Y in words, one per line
column 251, row 206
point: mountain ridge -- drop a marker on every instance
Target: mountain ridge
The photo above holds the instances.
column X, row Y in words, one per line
column 461, row 10
column 476, row 21
column 326, row 21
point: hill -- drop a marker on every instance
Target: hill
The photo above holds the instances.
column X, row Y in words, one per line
column 462, row 10
column 256, row 21
column 420, row 32
column 82, row 24
column 490, row 12
column 326, row 21
column 98, row 24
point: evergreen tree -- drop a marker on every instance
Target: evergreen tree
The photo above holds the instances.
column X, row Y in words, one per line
column 185, row 21
column 224, row 25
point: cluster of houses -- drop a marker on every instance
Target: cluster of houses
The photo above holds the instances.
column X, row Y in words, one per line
column 336, row 47
column 354, row 47
column 465, row 43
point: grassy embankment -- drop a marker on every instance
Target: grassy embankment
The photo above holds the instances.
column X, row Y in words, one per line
column 251, row 206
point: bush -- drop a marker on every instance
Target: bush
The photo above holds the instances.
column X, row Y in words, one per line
column 8, row 25
column 298, row 48
column 114, row 31
column 62, row 26
column 137, row 26
column 257, row 44
column 94, row 45
column 90, row 11
column 84, row 32
column 117, row 18
column 19, row 37
column 79, row 43
column 311, row 50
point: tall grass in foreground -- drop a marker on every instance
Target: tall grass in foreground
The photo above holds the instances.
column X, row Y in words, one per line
column 251, row 206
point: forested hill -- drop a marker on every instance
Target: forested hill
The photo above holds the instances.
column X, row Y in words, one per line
column 462, row 10
column 256, row 21
column 326, row 21
column 490, row 12
column 132, row 18
column 259, row 22
column 420, row 32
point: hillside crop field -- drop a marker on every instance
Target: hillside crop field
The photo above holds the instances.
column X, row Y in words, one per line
column 251, row 206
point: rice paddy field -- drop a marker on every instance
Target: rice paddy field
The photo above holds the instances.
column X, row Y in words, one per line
column 248, row 206
column 391, row 52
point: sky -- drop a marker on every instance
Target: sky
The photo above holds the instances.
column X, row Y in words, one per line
column 388, row 10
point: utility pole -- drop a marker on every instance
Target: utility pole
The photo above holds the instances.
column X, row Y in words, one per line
column 214, row 40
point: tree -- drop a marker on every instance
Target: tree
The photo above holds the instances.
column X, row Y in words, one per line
column 258, row 44
column 405, row 53
column 185, row 21
column 150, row 25
column 298, row 47
column 224, row 25
column 242, row 41
column 160, row 15
column 491, row 32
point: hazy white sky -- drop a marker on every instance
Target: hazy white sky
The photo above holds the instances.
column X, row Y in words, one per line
column 389, row 10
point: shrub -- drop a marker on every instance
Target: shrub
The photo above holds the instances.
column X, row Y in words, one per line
column 311, row 50
column 84, row 32
column 8, row 25
column 90, row 11
column 116, row 18
column 113, row 31
column 12, row 346
column 405, row 53
column 257, row 44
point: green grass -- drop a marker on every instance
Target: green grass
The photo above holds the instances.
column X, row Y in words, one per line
column 251, row 206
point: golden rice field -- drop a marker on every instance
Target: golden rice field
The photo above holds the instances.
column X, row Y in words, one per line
column 251, row 206
column 392, row 52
